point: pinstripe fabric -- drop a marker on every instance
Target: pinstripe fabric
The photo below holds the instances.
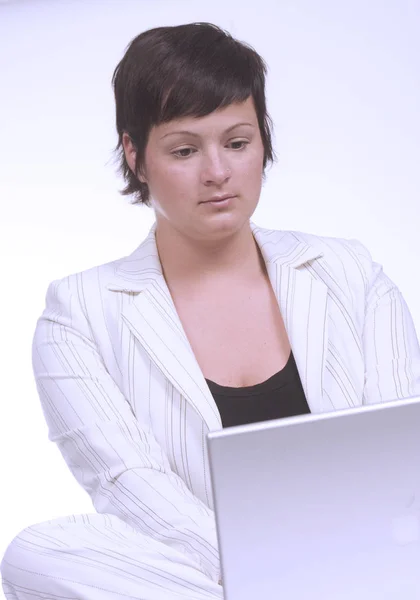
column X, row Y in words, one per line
column 129, row 409
column 99, row 557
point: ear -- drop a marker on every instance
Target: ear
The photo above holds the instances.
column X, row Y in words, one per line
column 131, row 154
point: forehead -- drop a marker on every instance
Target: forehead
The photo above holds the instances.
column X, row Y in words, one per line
column 220, row 119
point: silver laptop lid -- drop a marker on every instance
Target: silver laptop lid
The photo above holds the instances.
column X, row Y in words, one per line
column 320, row 506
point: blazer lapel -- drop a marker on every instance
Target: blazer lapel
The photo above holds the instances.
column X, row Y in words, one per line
column 303, row 304
column 154, row 321
column 152, row 317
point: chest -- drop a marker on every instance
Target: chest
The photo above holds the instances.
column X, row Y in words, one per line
column 238, row 337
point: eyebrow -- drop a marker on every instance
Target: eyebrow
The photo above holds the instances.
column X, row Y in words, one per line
column 185, row 132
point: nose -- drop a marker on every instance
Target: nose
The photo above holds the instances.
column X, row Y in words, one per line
column 216, row 171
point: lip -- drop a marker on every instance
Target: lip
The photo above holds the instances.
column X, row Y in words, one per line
column 219, row 199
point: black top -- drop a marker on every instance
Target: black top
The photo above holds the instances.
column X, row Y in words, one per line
column 280, row 396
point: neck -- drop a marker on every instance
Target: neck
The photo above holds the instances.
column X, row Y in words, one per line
column 186, row 260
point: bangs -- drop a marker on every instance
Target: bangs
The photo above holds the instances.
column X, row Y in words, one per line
column 197, row 86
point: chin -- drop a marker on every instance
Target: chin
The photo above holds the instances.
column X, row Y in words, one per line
column 227, row 223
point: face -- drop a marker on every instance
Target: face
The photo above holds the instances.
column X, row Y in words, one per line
column 190, row 160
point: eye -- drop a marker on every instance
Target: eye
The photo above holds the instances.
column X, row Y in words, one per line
column 241, row 142
column 189, row 149
column 177, row 152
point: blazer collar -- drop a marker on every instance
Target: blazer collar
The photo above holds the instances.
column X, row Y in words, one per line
column 152, row 317
column 142, row 268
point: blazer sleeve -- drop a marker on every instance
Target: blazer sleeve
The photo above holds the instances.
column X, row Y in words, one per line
column 112, row 455
column 390, row 343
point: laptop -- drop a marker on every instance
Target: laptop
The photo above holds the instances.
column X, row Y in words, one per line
column 320, row 506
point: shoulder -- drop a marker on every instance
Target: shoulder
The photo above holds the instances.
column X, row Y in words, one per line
column 339, row 257
column 112, row 275
column 347, row 269
column 332, row 246
column 344, row 264
column 82, row 285
column 340, row 251
column 325, row 244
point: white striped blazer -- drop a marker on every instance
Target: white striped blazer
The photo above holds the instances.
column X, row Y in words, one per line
column 128, row 406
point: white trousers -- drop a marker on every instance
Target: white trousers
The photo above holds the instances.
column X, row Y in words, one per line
column 98, row 557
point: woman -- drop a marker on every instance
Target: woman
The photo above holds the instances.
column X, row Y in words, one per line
column 138, row 359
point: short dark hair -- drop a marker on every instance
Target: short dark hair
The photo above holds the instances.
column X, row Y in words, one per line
column 178, row 71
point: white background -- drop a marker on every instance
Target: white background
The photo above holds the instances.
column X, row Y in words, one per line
column 343, row 90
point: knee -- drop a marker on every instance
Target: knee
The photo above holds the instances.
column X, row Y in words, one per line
column 16, row 554
column 30, row 543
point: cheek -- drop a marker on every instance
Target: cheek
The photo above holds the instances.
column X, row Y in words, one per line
column 177, row 183
column 173, row 181
column 252, row 168
column 252, row 175
column 171, row 173
column 252, row 159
